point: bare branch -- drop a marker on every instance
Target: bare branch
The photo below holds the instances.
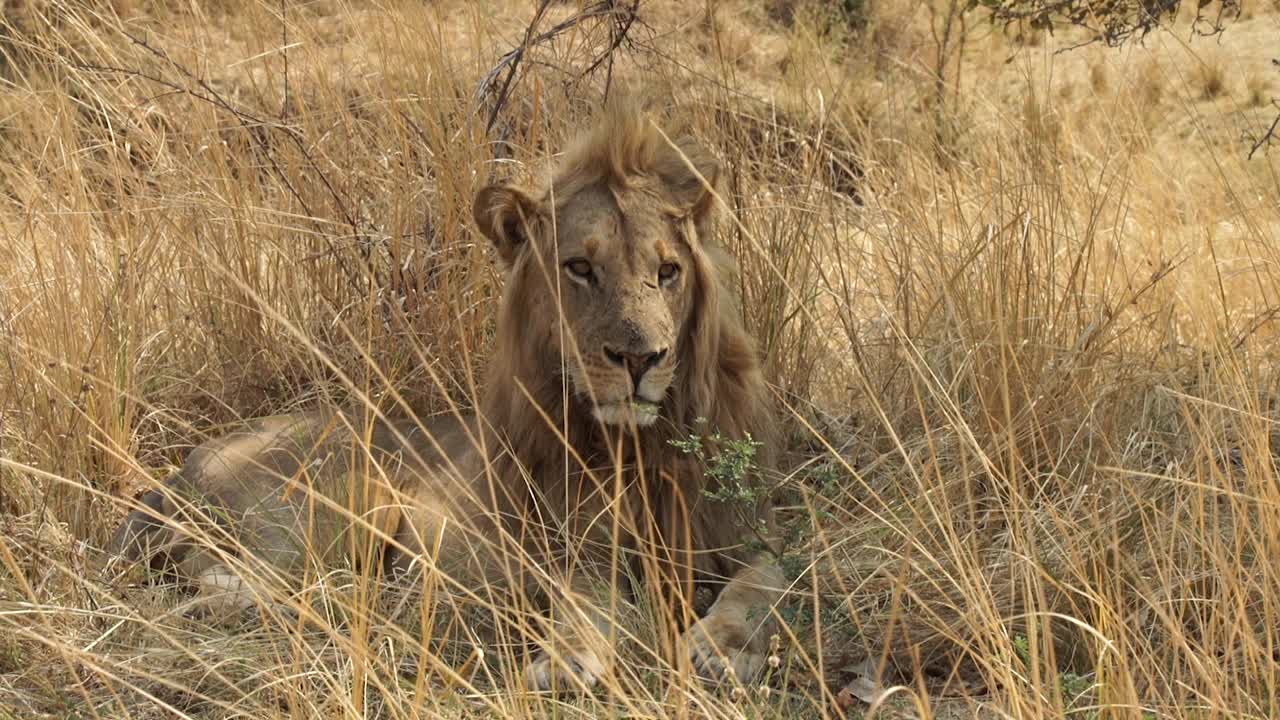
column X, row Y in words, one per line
column 623, row 17
column 1266, row 138
column 1113, row 22
column 206, row 93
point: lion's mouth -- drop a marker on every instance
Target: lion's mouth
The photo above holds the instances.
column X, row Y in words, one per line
column 637, row 411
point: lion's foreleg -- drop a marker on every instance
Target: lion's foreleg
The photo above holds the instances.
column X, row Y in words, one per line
column 223, row 592
column 732, row 641
column 580, row 647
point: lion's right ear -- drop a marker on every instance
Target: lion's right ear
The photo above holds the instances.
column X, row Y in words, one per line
column 690, row 173
column 505, row 214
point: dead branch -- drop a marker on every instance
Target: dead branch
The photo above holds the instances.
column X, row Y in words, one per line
column 498, row 82
column 204, row 92
column 1113, row 22
column 1267, row 137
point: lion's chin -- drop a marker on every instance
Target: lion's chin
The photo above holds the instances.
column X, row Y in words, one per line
column 627, row 412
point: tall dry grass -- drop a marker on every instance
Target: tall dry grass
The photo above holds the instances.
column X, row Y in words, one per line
column 1024, row 338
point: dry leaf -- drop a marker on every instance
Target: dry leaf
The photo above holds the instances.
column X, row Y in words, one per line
column 864, row 686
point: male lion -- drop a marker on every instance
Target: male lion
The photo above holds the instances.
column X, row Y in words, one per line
column 615, row 336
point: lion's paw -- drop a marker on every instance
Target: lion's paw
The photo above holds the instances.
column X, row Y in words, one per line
column 572, row 671
column 722, row 651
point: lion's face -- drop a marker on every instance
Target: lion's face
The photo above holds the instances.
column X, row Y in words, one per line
column 620, row 268
column 604, row 276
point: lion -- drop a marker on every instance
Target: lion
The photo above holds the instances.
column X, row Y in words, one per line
column 616, row 335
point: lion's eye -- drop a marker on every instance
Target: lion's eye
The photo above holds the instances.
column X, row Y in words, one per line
column 668, row 272
column 578, row 268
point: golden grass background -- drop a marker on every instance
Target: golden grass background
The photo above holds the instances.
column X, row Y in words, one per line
column 1022, row 320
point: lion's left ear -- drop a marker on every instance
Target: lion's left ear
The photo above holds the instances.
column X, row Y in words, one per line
column 690, row 173
column 505, row 214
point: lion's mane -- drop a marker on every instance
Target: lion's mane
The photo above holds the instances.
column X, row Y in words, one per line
column 719, row 385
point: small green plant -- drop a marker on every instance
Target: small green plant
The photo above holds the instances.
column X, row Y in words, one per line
column 730, row 462
column 826, row 477
column 1073, row 686
column 1022, row 646
column 12, row 657
column 794, row 566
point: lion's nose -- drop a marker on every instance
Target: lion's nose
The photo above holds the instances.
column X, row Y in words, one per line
column 636, row 364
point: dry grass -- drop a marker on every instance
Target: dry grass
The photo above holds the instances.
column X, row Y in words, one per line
column 1026, row 341
column 1257, row 88
column 1211, row 75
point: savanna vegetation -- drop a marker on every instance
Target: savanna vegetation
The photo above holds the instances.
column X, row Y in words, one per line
column 1017, row 296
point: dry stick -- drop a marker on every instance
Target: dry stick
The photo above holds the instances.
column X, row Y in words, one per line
column 617, row 35
column 296, row 137
column 246, row 121
column 1258, row 321
column 1270, row 134
column 1113, row 23
column 284, row 44
column 511, row 60
column 625, row 18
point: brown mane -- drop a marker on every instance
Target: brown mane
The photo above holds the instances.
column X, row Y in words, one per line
column 719, row 386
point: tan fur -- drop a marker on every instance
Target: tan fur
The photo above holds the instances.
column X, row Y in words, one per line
column 560, row 461
column 718, row 379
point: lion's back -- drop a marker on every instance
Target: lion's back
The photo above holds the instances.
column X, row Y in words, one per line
column 286, row 487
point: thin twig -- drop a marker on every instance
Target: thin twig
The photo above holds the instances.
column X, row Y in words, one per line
column 284, row 44
column 1254, row 326
column 1269, row 135
column 617, row 35
column 624, row 18
column 248, row 121
column 512, row 61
